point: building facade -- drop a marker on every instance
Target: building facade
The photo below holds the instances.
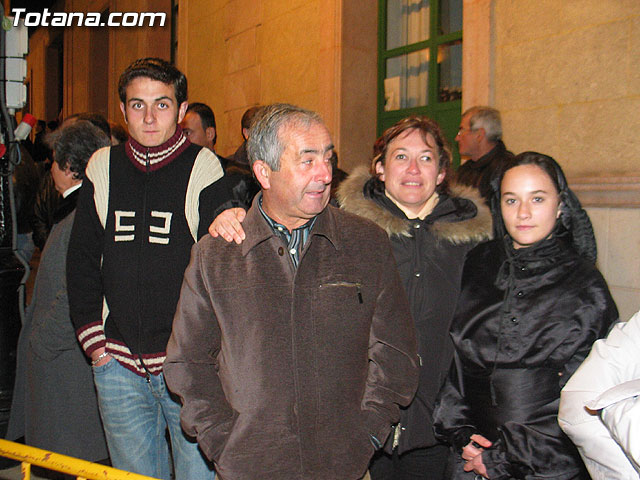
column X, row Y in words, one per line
column 564, row 74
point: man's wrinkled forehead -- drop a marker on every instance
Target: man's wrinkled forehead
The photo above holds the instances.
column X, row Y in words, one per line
column 297, row 128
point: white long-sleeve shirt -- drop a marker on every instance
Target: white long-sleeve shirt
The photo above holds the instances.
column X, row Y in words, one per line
column 600, row 405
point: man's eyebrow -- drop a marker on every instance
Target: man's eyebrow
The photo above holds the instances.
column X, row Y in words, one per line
column 313, row 150
column 164, row 97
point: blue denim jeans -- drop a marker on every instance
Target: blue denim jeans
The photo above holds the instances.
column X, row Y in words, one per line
column 136, row 413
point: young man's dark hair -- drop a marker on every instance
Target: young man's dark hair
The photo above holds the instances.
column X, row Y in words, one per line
column 207, row 117
column 155, row 69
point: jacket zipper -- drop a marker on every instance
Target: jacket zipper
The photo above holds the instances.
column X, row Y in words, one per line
column 141, row 248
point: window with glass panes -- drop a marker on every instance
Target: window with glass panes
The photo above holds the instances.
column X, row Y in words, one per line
column 420, row 63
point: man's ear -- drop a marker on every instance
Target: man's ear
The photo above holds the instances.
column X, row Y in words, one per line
column 210, row 132
column 262, row 171
column 124, row 112
column 182, row 111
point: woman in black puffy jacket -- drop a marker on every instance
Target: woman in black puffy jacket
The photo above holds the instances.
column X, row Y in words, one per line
column 431, row 228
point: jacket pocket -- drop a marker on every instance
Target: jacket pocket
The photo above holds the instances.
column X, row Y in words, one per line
column 342, row 304
column 357, row 286
column 258, row 442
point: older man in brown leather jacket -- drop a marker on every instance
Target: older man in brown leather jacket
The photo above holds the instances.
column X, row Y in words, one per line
column 293, row 351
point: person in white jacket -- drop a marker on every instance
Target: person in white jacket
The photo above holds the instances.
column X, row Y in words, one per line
column 600, row 405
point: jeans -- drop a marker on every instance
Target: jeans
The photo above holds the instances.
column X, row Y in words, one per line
column 136, row 412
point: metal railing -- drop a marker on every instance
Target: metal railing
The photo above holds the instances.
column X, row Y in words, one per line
column 82, row 469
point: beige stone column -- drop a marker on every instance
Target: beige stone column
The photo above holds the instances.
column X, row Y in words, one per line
column 358, row 76
column 477, row 57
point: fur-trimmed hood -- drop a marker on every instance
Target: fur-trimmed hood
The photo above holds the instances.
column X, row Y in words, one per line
column 350, row 196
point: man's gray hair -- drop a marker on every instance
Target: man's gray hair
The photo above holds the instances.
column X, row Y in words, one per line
column 487, row 118
column 265, row 142
column 74, row 144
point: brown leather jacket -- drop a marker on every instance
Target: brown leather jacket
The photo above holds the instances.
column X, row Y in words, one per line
column 287, row 372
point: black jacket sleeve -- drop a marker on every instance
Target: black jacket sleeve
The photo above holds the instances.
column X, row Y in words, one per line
column 84, row 279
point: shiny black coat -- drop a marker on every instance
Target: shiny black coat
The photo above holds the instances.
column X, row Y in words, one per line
column 525, row 321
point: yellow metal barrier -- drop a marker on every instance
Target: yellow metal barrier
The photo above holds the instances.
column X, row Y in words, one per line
column 82, row 469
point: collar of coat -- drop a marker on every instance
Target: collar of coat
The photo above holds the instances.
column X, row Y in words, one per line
column 351, row 197
column 257, row 229
column 500, row 150
column 158, row 156
column 66, row 206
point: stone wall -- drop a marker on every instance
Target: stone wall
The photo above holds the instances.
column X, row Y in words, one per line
column 566, row 77
column 567, row 81
column 319, row 54
column 618, row 238
column 565, row 74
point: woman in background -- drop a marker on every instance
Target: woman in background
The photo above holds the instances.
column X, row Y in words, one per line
column 532, row 303
column 54, row 403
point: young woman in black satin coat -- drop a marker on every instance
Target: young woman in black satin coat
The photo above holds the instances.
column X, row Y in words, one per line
column 532, row 304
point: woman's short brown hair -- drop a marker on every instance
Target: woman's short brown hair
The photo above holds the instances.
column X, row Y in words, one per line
column 425, row 126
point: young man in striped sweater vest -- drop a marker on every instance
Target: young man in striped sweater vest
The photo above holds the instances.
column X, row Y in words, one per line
column 139, row 213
